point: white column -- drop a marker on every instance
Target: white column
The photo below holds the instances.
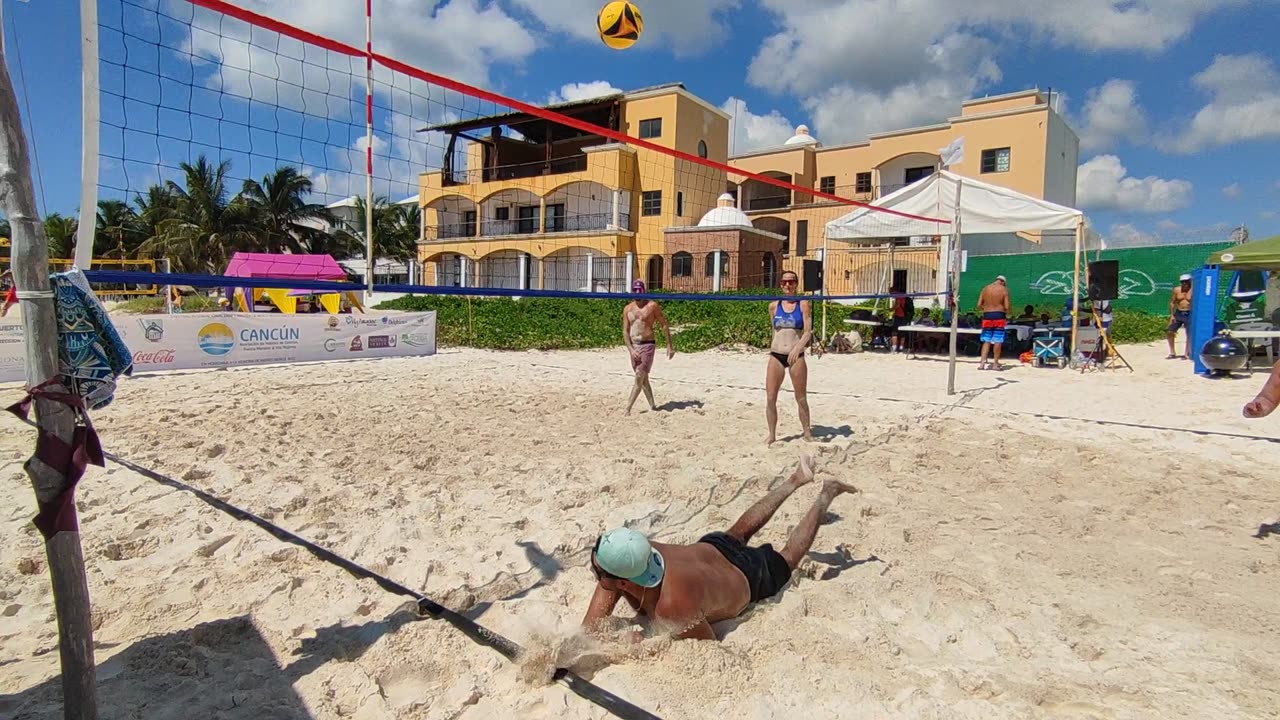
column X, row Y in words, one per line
column 524, row 271
column 591, row 282
column 631, row 258
column 464, row 269
column 90, row 96
column 715, row 285
column 617, row 213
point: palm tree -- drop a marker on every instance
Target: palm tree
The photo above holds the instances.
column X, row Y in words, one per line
column 396, row 229
column 116, row 230
column 202, row 229
column 152, row 209
column 284, row 220
column 61, row 232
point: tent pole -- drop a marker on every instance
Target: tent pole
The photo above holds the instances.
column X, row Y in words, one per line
column 1075, row 294
column 953, row 270
column 824, row 288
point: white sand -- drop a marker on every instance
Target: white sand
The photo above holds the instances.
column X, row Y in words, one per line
column 996, row 565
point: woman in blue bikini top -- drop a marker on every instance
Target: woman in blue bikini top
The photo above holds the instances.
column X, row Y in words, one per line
column 792, row 329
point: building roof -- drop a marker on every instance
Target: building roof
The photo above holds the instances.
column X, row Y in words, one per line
column 802, row 137
column 726, row 215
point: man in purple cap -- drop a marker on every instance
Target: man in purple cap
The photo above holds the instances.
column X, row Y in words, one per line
column 638, row 318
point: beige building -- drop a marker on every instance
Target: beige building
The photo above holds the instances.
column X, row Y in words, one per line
column 1016, row 140
column 522, row 203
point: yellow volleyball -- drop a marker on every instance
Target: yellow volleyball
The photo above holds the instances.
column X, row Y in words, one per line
column 619, row 24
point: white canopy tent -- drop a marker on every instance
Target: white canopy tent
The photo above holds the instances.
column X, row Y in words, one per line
column 972, row 207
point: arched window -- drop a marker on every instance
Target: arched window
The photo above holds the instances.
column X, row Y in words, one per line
column 654, row 272
column 702, row 148
column 682, row 265
column 709, row 267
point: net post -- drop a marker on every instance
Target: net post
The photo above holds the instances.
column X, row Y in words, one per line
column 368, row 141
column 89, row 102
column 55, row 420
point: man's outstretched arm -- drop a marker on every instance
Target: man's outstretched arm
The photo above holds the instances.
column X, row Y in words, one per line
column 602, row 603
column 1268, row 398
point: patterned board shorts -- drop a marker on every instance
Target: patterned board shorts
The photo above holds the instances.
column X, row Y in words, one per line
column 993, row 328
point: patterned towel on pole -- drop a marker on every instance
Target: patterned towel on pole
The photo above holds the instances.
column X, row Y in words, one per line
column 91, row 354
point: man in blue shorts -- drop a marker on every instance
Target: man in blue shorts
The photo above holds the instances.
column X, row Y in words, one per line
column 993, row 302
column 1180, row 316
column 683, row 589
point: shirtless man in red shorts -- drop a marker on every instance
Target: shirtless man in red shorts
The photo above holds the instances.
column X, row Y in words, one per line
column 638, row 318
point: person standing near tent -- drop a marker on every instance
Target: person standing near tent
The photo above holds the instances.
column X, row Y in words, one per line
column 904, row 312
column 1180, row 316
column 638, row 318
column 792, row 330
column 993, row 302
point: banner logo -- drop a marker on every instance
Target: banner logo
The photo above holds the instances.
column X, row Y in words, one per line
column 216, row 339
column 330, row 345
column 356, row 345
column 152, row 330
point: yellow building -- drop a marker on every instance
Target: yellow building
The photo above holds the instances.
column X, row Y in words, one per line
column 525, row 203
column 1015, row 140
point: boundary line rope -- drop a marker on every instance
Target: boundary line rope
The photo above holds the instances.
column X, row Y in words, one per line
column 220, row 281
column 426, row 606
column 268, row 23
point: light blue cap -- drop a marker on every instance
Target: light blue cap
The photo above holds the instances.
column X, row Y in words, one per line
column 627, row 554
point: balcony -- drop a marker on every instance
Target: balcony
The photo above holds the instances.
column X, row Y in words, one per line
column 776, row 202
column 578, row 223
column 517, row 171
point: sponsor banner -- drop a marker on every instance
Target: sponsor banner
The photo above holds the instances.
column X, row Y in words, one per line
column 222, row 340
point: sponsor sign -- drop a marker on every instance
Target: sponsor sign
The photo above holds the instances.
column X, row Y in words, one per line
column 220, row 340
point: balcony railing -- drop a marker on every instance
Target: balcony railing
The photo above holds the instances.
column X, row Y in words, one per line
column 582, row 222
column 517, row 171
column 776, row 202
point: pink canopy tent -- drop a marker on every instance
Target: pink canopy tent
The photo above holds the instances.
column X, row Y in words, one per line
column 289, row 267
column 299, row 267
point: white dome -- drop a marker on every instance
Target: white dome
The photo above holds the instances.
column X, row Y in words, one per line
column 725, row 217
column 802, row 137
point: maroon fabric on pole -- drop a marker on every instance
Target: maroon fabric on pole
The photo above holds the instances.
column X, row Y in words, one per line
column 71, row 459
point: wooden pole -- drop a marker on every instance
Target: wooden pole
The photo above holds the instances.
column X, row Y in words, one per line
column 30, row 262
column 954, row 268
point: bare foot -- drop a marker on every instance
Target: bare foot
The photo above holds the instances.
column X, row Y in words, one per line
column 770, row 440
column 628, row 413
column 804, row 472
column 1259, row 408
column 832, row 488
column 807, row 436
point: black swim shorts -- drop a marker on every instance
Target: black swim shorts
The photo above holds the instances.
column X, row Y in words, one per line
column 767, row 572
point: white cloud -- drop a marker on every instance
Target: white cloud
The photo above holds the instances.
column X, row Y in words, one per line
column 582, row 91
column 687, row 27
column 1112, row 114
column 1233, row 191
column 755, row 132
column 1103, row 183
column 1123, row 234
column 1268, row 215
column 1244, row 104
column 886, row 67
column 1169, row 225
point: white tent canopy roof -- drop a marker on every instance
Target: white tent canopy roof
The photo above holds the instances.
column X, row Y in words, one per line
column 985, row 208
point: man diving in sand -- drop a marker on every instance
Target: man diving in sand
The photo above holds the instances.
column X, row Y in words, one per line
column 689, row 587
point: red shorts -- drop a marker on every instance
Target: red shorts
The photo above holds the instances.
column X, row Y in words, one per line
column 11, row 296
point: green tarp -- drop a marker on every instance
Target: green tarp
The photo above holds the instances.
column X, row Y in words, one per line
column 1256, row 255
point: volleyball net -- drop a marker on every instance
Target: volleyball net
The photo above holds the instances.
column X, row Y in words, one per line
column 223, row 130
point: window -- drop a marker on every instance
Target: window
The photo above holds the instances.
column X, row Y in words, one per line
column 682, row 265
column 900, row 280
column 709, row 267
column 702, row 148
column 555, row 218
column 650, row 128
column 468, row 223
column 651, row 202
column 502, row 213
column 862, row 182
column 802, row 237
column 768, row 270
column 827, row 185
column 679, row 204
column 994, row 161
column 917, row 174
column 528, row 219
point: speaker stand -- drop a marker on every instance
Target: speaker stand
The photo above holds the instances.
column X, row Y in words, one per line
column 1113, row 358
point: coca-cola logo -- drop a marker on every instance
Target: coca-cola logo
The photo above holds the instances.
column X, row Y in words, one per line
column 155, row 357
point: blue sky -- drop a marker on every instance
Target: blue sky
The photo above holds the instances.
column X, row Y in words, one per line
column 1177, row 101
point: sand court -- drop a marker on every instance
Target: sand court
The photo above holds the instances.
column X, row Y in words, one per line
column 995, row 565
